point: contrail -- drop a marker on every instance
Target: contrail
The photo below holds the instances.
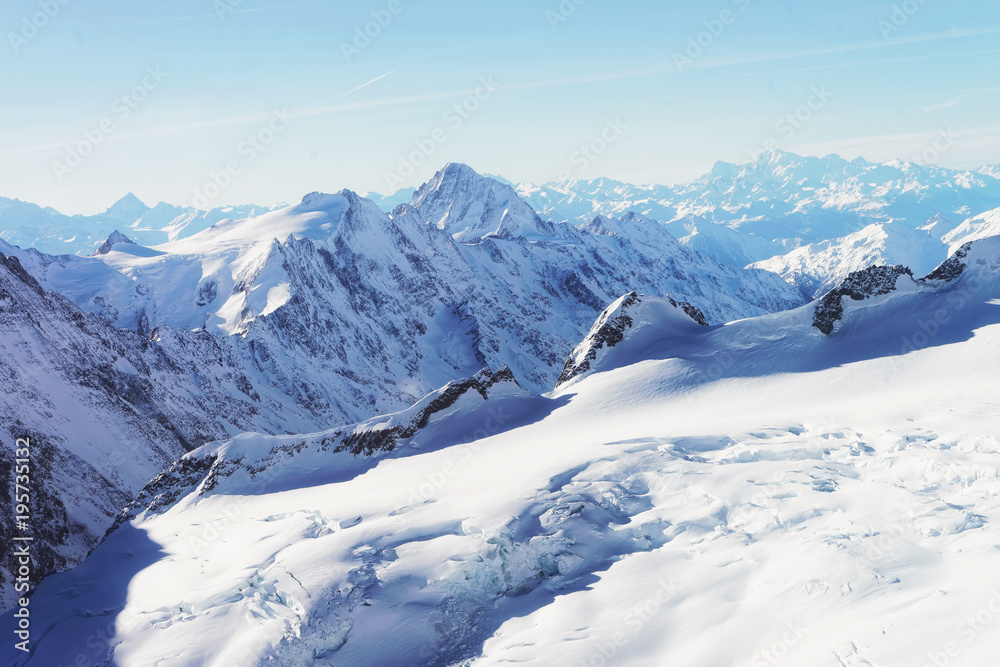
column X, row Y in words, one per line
column 378, row 78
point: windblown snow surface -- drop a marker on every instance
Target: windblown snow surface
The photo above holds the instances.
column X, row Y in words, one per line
column 756, row 493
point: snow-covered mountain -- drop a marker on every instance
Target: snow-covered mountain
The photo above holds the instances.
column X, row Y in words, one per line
column 782, row 196
column 815, row 494
column 815, row 269
column 467, row 270
column 107, row 408
column 323, row 313
column 980, row 227
column 30, row 226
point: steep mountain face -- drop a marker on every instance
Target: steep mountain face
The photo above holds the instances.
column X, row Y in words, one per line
column 382, row 309
column 107, row 408
column 799, row 482
column 470, row 207
column 816, row 269
column 46, row 230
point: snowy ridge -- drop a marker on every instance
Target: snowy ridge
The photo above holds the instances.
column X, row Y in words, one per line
column 980, row 227
column 27, row 225
column 627, row 318
column 878, row 280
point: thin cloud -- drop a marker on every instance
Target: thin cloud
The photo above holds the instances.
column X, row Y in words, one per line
column 953, row 102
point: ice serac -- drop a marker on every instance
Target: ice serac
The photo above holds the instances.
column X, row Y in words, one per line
column 114, row 238
column 630, row 316
column 470, row 207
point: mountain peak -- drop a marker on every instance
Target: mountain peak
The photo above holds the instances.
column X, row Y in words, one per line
column 114, row 238
column 127, row 209
column 471, row 207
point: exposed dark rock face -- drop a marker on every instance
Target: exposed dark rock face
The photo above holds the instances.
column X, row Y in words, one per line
column 610, row 330
column 205, row 469
column 860, row 285
column 384, row 440
column 952, row 268
column 115, row 237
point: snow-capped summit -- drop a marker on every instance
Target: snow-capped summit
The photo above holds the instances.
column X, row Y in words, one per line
column 990, row 170
column 114, row 238
column 469, row 207
column 127, row 210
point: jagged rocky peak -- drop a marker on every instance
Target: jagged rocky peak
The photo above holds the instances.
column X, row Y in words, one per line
column 470, row 207
column 114, row 238
column 860, row 285
column 621, row 319
column 13, row 266
column 952, row 268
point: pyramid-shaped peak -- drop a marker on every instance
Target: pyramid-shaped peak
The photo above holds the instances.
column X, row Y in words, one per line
column 127, row 209
column 113, row 239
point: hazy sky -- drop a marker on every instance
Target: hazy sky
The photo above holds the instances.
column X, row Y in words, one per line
column 156, row 97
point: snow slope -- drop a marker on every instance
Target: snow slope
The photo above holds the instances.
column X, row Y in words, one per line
column 757, row 493
column 980, row 227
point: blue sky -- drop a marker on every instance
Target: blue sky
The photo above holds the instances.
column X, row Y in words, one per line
column 878, row 79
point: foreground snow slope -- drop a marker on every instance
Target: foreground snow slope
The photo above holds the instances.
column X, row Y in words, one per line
column 757, row 493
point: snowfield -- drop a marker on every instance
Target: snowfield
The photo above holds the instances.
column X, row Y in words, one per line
column 756, row 493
